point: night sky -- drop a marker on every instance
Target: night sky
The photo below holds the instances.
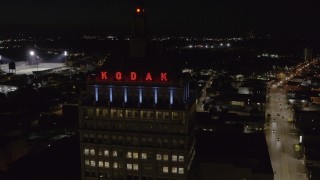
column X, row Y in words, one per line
column 165, row 17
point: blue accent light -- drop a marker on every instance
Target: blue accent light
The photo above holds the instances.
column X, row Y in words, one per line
column 140, row 95
column 171, row 96
column 110, row 94
column 125, row 94
column 97, row 93
column 155, row 95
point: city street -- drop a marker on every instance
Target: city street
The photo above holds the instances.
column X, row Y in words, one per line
column 285, row 165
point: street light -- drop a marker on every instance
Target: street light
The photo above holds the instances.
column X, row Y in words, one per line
column 32, row 54
column 65, row 56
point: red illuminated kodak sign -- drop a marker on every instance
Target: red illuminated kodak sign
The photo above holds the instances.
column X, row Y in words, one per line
column 133, row 76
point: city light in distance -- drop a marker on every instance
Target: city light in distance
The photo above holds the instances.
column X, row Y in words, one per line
column 31, row 53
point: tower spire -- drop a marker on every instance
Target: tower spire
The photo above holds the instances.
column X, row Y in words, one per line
column 139, row 27
column 138, row 42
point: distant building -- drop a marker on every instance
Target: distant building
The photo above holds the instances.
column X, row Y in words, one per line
column 6, row 88
column 232, row 156
column 12, row 148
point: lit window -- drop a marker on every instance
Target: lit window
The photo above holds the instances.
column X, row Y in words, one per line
column 143, row 155
column 115, row 165
column 129, row 166
column 165, row 169
column 92, row 152
column 128, row 113
column 90, row 111
column 159, row 157
column 150, row 114
column 106, row 164
column 159, row 115
column 174, row 157
column 119, row 113
column 174, row 115
column 98, row 112
column 181, row 170
column 144, row 114
column 166, row 115
column 101, row 175
column 86, row 151
column 87, row 162
column 135, row 167
column 100, row 163
column 174, row 170
column 100, row 152
column 129, row 154
column 92, row 163
column 181, row 158
column 165, row 157
column 106, row 152
column 114, row 153
column 105, row 112
column 134, row 114
column 113, row 113
column 135, row 155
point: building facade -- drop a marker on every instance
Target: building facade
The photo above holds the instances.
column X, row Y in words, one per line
column 137, row 126
column 137, row 120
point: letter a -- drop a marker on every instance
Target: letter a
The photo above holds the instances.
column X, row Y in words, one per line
column 148, row 77
column 104, row 75
column 164, row 77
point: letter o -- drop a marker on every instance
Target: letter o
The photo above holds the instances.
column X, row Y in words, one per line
column 118, row 75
